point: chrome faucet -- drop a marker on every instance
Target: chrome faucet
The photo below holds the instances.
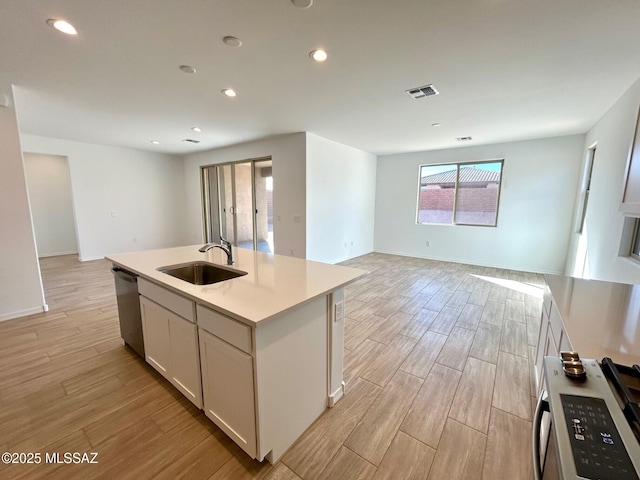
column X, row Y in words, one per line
column 225, row 246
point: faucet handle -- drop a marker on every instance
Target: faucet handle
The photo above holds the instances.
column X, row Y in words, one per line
column 225, row 241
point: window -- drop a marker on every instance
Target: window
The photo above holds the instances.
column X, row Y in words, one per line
column 587, row 187
column 635, row 243
column 460, row 193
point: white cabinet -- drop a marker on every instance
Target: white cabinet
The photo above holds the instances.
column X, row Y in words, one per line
column 552, row 338
column 155, row 330
column 262, row 384
column 228, row 390
column 171, row 347
column 185, row 359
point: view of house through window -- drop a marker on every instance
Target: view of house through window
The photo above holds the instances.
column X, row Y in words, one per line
column 460, row 193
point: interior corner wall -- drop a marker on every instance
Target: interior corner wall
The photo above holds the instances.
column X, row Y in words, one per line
column 341, row 186
column 535, row 211
column 21, row 291
column 597, row 250
column 288, row 155
column 124, row 199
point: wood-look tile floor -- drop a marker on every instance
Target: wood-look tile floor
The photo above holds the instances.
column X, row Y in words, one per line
column 437, row 364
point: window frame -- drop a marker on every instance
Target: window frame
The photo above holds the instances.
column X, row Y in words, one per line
column 459, row 165
column 634, row 250
column 591, row 155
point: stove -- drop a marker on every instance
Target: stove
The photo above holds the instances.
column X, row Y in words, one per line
column 625, row 381
column 586, row 424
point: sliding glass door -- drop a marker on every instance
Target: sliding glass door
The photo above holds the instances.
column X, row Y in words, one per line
column 237, row 200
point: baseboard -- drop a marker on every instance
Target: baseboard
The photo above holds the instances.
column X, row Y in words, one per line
column 23, row 313
column 337, row 395
column 519, row 268
column 89, row 259
column 56, row 254
column 348, row 257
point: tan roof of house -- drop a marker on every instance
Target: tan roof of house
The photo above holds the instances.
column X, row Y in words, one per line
column 467, row 175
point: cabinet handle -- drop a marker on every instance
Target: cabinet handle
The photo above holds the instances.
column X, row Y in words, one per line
column 541, row 407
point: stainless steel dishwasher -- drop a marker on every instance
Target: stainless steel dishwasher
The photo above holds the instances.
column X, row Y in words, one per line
column 129, row 309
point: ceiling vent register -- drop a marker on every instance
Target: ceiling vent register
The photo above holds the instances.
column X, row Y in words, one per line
column 421, row 92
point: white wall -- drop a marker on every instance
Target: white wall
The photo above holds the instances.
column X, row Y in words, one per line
column 604, row 223
column 124, row 199
column 341, row 190
column 534, row 220
column 21, row 291
column 51, row 202
column 288, row 155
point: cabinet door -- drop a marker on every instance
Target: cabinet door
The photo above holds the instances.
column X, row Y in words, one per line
column 228, row 393
column 171, row 347
column 155, row 330
column 185, row 358
column 551, row 349
column 542, row 346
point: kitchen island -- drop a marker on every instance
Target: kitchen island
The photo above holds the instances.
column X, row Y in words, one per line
column 261, row 354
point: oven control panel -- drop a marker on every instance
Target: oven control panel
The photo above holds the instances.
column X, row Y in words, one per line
column 598, row 451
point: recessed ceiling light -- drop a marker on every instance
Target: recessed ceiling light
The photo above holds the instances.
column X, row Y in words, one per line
column 196, row 129
column 318, row 55
column 302, row 3
column 435, row 124
column 230, row 92
column 230, row 41
column 62, row 26
column 187, row 69
column 155, row 142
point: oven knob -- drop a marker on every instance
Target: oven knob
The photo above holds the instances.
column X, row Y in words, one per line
column 574, row 370
column 572, row 365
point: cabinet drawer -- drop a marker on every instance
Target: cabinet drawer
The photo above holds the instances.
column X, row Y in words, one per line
column 168, row 299
column 231, row 331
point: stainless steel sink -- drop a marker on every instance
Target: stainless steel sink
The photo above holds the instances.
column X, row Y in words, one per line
column 201, row 273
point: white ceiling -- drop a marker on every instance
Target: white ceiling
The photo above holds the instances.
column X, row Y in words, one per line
column 506, row 69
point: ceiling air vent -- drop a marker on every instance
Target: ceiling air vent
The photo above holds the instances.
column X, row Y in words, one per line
column 420, row 92
column 191, row 140
column 464, row 139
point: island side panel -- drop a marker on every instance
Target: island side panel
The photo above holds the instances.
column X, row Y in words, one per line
column 336, row 304
column 291, row 376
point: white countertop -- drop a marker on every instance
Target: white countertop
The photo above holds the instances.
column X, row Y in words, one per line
column 273, row 285
column 602, row 319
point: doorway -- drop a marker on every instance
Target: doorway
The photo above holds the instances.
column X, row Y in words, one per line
column 238, row 203
column 51, row 201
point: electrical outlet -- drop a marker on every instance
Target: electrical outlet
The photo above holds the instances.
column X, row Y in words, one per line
column 338, row 311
